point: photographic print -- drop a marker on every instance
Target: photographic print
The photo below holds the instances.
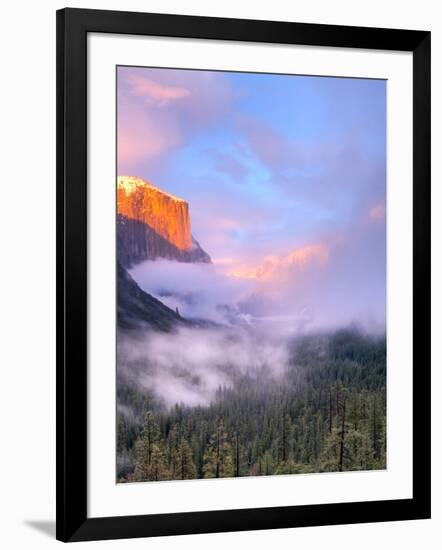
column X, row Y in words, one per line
column 251, row 274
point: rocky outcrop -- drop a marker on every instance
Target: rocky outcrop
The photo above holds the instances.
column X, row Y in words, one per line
column 153, row 224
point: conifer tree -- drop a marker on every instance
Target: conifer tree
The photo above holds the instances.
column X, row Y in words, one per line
column 150, row 460
column 158, row 470
column 286, row 438
column 266, row 464
column 173, row 451
column 218, row 460
column 186, row 466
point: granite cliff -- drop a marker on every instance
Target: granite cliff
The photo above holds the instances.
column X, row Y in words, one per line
column 153, row 224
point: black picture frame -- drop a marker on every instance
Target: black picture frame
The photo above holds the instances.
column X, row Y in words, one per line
column 73, row 25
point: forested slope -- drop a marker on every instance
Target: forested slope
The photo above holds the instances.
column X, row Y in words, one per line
column 327, row 413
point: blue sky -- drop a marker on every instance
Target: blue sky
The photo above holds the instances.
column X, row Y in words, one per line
column 269, row 164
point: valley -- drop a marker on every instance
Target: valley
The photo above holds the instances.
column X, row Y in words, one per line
column 209, row 388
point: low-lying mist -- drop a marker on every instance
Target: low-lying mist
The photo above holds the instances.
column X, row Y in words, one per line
column 189, row 366
column 198, row 290
column 249, row 325
column 346, row 287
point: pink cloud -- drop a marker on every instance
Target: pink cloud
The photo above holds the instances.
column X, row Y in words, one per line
column 377, row 212
column 156, row 93
column 137, row 141
column 280, row 268
column 159, row 110
column 142, row 136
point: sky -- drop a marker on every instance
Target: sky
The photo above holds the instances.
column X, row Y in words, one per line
column 285, row 177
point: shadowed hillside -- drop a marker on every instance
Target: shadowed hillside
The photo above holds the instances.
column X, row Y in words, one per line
column 138, row 309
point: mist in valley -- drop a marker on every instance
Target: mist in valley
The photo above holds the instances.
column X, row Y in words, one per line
column 188, row 366
column 243, row 327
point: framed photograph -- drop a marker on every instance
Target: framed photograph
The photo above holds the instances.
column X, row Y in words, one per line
column 243, row 274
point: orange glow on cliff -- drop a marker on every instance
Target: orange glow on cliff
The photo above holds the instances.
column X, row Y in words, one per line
column 167, row 215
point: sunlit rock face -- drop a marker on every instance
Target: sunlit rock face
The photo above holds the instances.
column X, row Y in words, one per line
column 153, row 224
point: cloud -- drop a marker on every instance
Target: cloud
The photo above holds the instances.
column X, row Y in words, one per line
column 335, row 173
column 200, row 291
column 377, row 212
column 141, row 138
column 322, row 286
column 276, row 268
column 162, row 109
column 270, row 146
column 228, row 164
column 327, row 286
column 154, row 92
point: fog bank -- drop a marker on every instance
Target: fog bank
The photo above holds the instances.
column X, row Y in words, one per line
column 188, row 366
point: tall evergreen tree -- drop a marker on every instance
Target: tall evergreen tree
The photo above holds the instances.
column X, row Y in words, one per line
column 218, row 460
column 186, row 466
column 150, row 460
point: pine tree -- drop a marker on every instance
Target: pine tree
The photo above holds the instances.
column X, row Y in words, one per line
column 218, row 460
column 286, row 438
column 173, row 451
column 266, row 464
column 150, row 460
column 342, row 404
column 238, row 452
column 158, row 470
column 186, row 467
column 376, row 428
